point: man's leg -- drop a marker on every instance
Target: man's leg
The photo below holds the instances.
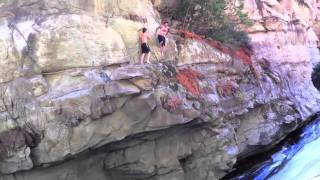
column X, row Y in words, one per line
column 148, row 57
column 141, row 58
column 163, row 44
column 161, row 50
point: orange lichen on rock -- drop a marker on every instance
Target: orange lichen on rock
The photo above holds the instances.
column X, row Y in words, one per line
column 243, row 54
column 189, row 78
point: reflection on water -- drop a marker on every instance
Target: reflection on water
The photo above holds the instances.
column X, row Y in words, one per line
column 300, row 161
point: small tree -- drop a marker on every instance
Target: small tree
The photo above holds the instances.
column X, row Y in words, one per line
column 218, row 19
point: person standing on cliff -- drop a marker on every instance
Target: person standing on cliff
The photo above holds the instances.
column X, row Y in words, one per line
column 162, row 32
column 145, row 50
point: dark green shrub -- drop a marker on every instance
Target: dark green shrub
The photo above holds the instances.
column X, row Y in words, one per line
column 216, row 19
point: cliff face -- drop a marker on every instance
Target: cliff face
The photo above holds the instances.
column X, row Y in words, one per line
column 74, row 106
column 284, row 42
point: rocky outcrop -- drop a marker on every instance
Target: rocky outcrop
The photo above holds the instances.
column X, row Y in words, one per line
column 74, row 105
column 289, row 23
column 285, row 49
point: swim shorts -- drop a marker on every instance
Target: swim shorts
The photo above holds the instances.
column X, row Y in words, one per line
column 145, row 48
column 162, row 40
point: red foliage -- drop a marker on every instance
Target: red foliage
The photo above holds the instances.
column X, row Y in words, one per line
column 174, row 102
column 191, row 35
column 189, row 79
column 242, row 53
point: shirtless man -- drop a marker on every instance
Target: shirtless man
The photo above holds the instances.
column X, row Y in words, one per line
column 162, row 32
column 145, row 50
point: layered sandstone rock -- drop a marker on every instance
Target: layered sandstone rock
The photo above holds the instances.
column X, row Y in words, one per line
column 75, row 106
column 285, row 49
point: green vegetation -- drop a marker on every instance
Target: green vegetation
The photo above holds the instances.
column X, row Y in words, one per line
column 216, row 19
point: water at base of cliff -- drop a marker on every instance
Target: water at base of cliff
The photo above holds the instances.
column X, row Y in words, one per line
column 297, row 161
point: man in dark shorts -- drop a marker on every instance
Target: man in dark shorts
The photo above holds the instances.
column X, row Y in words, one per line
column 162, row 32
column 145, row 50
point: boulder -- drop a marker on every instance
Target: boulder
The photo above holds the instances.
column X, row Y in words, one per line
column 70, row 41
column 129, row 72
column 15, row 153
column 192, row 51
column 120, row 88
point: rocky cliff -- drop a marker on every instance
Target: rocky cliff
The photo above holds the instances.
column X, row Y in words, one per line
column 75, row 105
